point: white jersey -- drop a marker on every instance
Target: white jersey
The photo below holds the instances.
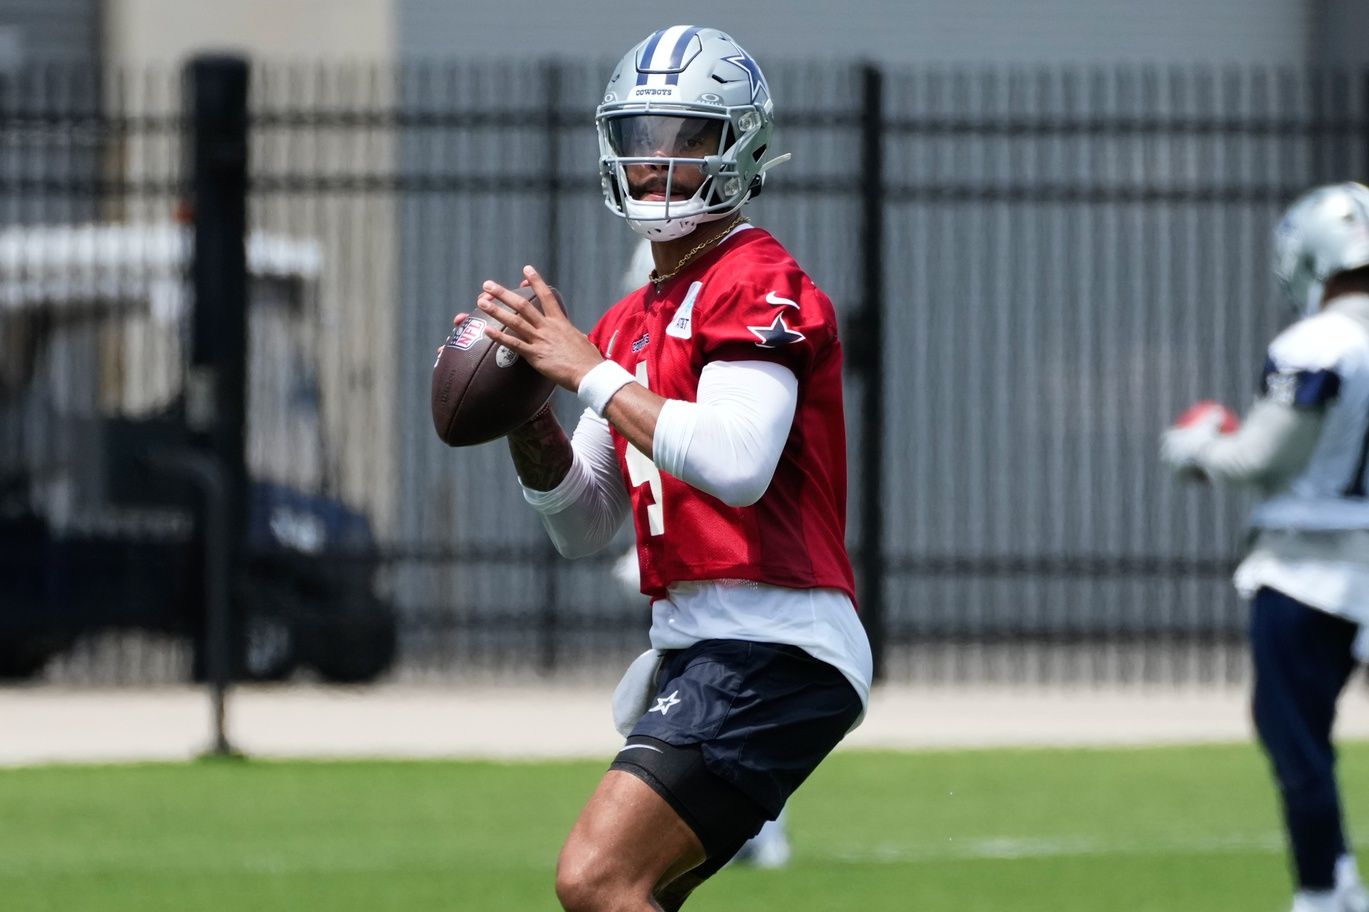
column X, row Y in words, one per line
column 1312, row 540
column 1322, row 363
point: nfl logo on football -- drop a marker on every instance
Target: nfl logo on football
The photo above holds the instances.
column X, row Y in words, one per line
column 468, row 333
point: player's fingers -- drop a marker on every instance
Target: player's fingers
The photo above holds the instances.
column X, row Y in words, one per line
column 550, row 306
column 514, row 301
column 508, row 340
column 508, row 314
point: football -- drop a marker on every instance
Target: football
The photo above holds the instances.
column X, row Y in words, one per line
column 1199, row 410
column 482, row 390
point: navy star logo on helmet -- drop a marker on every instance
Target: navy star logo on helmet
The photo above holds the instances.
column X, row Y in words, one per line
column 753, row 73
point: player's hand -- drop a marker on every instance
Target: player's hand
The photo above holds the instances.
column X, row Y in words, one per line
column 1183, row 444
column 547, row 339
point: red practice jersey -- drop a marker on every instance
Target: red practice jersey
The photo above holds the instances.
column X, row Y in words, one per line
column 746, row 300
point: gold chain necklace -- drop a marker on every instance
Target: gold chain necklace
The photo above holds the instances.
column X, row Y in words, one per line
column 657, row 279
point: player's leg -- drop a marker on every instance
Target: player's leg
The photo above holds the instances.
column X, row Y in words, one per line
column 719, row 816
column 626, row 842
column 1302, row 659
column 735, row 729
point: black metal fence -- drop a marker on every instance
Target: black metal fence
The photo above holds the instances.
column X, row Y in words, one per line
column 1036, row 270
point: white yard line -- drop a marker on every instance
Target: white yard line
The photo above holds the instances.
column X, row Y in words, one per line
column 1013, row 847
column 50, row 724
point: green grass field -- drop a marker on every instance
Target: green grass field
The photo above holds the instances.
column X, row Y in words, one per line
column 1168, row 830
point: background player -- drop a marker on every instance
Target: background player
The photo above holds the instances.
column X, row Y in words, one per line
column 1304, row 446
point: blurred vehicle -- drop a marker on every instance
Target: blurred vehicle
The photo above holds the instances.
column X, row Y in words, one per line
column 96, row 532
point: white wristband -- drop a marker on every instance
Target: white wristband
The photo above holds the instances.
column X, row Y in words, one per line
column 598, row 386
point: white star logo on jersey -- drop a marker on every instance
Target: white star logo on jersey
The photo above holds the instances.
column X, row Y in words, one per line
column 663, row 704
column 776, row 334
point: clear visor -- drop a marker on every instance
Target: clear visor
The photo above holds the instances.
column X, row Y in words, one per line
column 665, row 136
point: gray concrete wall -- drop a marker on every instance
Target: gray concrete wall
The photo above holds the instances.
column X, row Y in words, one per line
column 165, row 31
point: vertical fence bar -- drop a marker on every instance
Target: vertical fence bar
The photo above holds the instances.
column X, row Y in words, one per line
column 868, row 351
column 551, row 591
column 1363, row 127
column 216, row 386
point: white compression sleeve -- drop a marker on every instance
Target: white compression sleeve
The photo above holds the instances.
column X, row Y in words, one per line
column 728, row 442
column 1274, row 443
column 583, row 512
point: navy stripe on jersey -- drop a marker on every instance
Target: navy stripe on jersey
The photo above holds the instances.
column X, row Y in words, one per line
column 1300, row 389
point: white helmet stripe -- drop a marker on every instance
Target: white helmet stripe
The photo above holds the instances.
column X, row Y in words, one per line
column 663, row 55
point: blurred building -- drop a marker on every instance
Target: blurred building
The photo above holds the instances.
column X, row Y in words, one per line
column 1221, row 32
column 48, row 30
column 1075, row 32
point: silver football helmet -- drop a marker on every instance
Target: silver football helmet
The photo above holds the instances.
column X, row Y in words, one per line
column 683, row 131
column 1324, row 232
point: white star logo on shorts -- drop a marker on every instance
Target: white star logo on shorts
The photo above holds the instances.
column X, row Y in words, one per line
column 663, row 704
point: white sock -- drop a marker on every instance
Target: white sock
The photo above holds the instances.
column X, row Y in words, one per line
column 1316, row 901
column 1349, row 889
column 1347, row 872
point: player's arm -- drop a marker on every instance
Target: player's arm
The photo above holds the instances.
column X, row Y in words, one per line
column 541, row 451
column 1273, row 444
column 573, row 484
column 741, row 419
column 727, row 443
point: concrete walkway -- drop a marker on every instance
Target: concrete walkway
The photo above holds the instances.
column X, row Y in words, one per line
column 48, row 724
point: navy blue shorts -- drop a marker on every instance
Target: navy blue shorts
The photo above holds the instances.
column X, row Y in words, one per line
column 758, row 717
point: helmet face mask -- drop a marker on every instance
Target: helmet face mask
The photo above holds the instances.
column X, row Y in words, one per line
column 683, row 131
column 666, row 161
column 1324, row 232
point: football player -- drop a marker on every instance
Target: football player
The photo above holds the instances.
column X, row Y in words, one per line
column 1304, row 446
column 769, row 848
column 713, row 417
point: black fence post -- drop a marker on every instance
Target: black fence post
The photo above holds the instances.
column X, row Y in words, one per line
column 869, row 351
column 216, row 384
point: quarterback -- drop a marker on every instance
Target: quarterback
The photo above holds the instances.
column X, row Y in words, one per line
column 713, row 417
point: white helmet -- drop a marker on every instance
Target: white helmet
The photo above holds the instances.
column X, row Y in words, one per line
column 692, row 105
column 1324, row 232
